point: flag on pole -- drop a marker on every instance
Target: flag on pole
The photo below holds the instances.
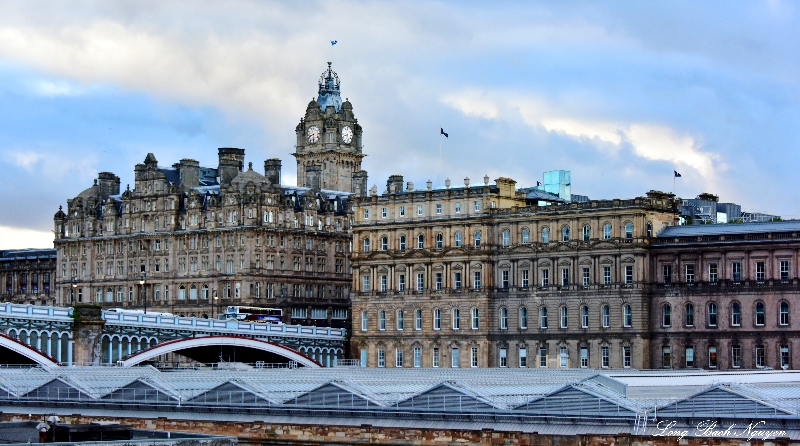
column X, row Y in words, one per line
column 538, row 184
column 677, row 175
column 443, row 133
column 334, row 42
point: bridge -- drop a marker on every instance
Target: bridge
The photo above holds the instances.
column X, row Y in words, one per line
column 88, row 335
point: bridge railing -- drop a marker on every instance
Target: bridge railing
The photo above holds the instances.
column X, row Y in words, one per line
column 9, row 309
column 202, row 324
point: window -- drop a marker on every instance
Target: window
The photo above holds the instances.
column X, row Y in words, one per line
column 435, row 359
column 584, row 317
column 477, row 206
column 437, row 281
column 736, row 356
column 457, row 280
column 457, row 239
column 523, row 357
column 402, row 211
column 606, row 316
column 584, row 357
column 524, row 280
column 736, row 314
column 606, row 231
column 564, row 277
column 712, row 357
column 400, row 320
column 606, row 275
column 505, row 237
column 365, row 284
column 666, row 273
column 523, row 318
column 689, row 273
column 545, row 235
column 384, row 283
column 712, row 272
column 381, row 358
column 473, row 360
column 402, row 243
column 689, row 315
column 384, row 243
column 784, row 270
column 712, row 315
column 456, row 318
column 418, row 319
column 420, row 281
column 419, row 209
column 475, row 320
column 585, row 276
column 364, row 320
column 398, row 358
column 382, row 320
column 629, row 230
column 439, row 239
column 383, row 212
column 760, row 271
column 401, row 282
column 689, row 356
column 458, row 207
column 563, row 317
column 420, row 241
column 504, row 279
column 783, row 315
column 565, row 234
column 476, row 280
column 666, row 357
column 545, row 277
column 543, row 317
column 784, row 349
column 587, row 232
column 627, row 316
column 563, row 355
column 542, row 357
column 604, row 357
column 366, row 214
column 626, row 357
column 736, row 271
column 760, row 313
column 437, row 319
column 760, row 357
column 454, row 357
column 628, row 274
column 477, row 238
column 503, row 357
column 504, row 318
column 666, row 315
column 526, row 235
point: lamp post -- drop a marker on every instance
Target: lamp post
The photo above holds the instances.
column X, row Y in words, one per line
column 213, row 302
column 74, row 282
column 142, row 281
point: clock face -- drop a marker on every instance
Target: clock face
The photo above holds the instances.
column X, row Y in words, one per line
column 347, row 134
column 313, row 134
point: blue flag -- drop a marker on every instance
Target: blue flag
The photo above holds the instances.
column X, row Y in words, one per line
column 334, row 42
column 443, row 133
column 677, row 175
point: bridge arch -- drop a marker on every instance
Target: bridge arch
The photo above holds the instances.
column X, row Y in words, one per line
column 219, row 341
column 23, row 351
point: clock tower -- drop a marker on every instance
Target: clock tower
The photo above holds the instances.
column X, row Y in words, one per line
column 328, row 150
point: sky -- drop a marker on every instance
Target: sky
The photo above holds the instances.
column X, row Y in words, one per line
column 620, row 93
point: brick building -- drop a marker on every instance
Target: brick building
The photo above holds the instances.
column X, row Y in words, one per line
column 28, row 275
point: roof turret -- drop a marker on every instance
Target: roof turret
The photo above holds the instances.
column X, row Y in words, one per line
column 329, row 90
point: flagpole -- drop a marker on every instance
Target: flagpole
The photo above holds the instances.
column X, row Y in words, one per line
column 441, row 167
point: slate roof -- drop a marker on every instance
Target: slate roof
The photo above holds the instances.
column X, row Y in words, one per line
column 730, row 228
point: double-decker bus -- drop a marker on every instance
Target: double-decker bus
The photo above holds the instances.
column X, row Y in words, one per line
column 253, row 314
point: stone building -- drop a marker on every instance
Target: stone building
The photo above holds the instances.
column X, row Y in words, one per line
column 485, row 276
column 28, row 275
column 725, row 296
column 192, row 240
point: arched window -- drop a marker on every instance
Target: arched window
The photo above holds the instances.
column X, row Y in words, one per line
column 439, row 242
column 193, row 292
column 545, row 235
column 366, row 244
column 543, row 317
column 736, row 314
column 689, row 315
column 783, row 315
column 504, row 318
column 666, row 315
column 587, row 232
column 456, row 319
column 457, row 238
column 627, row 316
column 628, row 230
column 712, row 315
column 523, row 318
column 420, row 241
column 182, row 293
column 606, row 231
column 402, row 243
column 564, row 317
column 526, row 235
column 477, row 238
column 760, row 314
column 584, row 317
column 475, row 319
column 606, row 316
column 506, row 236
column 565, row 234
column 400, row 320
column 384, row 243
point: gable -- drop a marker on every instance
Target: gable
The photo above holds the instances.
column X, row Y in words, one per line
column 721, row 402
column 229, row 394
column 333, row 396
column 57, row 388
column 444, row 398
column 139, row 392
column 573, row 400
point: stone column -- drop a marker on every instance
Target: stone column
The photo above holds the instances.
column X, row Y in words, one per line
column 86, row 333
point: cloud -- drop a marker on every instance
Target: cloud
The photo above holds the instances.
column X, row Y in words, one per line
column 18, row 238
column 55, row 89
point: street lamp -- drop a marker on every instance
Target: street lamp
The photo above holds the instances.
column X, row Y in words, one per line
column 74, row 281
column 142, row 281
column 213, row 302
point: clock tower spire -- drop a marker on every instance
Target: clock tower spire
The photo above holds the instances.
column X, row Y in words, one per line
column 328, row 149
